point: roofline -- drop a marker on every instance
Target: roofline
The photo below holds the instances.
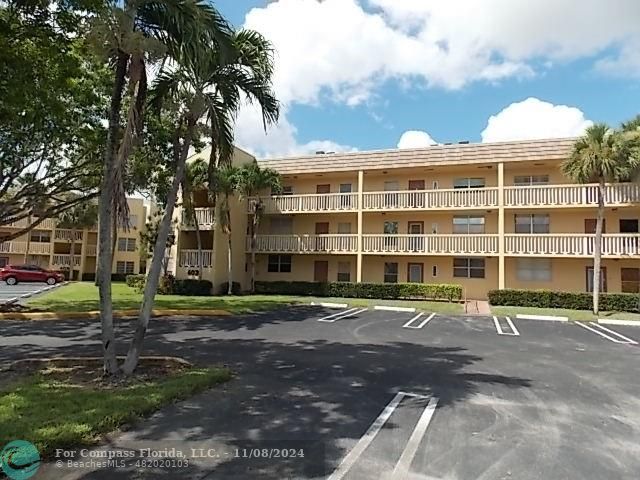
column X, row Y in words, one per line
column 418, row 150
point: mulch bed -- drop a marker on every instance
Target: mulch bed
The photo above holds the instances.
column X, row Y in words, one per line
column 87, row 371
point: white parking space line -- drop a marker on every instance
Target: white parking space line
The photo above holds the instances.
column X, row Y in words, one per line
column 422, row 324
column 366, row 439
column 389, row 308
column 328, row 317
column 514, row 331
column 600, row 330
column 401, row 471
column 330, row 305
column 342, row 315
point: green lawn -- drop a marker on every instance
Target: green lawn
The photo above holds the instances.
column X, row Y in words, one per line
column 83, row 296
column 563, row 312
column 54, row 413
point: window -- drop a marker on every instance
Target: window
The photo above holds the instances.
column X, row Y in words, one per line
column 124, row 267
column 630, row 279
column 281, row 226
column 468, row 183
column 534, row 269
column 345, row 200
column 40, row 236
column 435, row 185
column 390, row 273
column 466, row 224
column 434, row 271
column 529, row 180
column 434, row 228
column 391, row 199
column 131, row 222
column 279, row 263
column 4, row 261
column 344, row 228
column 532, row 223
column 344, row 271
column 390, row 228
column 126, row 244
column 286, row 190
column 468, row 267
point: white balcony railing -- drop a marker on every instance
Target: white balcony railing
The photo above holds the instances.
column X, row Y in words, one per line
column 431, row 244
column 65, row 234
column 572, row 245
column 431, row 199
column 570, row 195
column 13, row 247
column 39, row 248
column 189, row 258
column 65, row 260
column 92, row 250
column 46, row 224
column 305, row 243
column 204, row 216
column 322, row 202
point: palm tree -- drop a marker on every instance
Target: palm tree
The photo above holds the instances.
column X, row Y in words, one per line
column 226, row 183
column 598, row 157
column 195, row 180
column 132, row 34
column 251, row 182
column 207, row 83
column 77, row 218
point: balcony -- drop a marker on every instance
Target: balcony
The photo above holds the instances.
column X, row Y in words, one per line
column 572, row 245
column 305, row 243
column 13, row 247
column 430, row 244
column 310, row 203
column 92, row 250
column 189, row 259
column 39, row 248
column 204, row 216
column 65, row 234
column 621, row 194
column 449, row 199
column 65, row 260
column 46, row 224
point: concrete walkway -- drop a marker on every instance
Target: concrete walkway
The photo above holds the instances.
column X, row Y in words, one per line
column 477, row 307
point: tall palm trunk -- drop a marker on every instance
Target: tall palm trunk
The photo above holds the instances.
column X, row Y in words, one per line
column 597, row 247
column 254, row 239
column 153, row 278
column 229, row 265
column 199, row 244
column 105, row 215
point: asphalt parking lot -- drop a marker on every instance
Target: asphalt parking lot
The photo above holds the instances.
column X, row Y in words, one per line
column 377, row 394
column 21, row 291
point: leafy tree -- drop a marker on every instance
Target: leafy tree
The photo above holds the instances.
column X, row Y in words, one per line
column 599, row 156
column 131, row 35
column 251, row 182
column 49, row 132
column 81, row 216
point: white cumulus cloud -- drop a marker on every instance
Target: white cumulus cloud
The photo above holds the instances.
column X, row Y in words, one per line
column 415, row 139
column 532, row 119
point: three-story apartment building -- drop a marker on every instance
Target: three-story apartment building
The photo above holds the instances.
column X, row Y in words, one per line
column 485, row 216
column 50, row 247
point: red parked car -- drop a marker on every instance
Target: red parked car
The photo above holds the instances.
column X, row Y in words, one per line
column 13, row 274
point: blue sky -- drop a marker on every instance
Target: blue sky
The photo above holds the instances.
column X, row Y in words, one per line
column 358, row 74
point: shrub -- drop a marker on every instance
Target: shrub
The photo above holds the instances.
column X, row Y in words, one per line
column 432, row 291
column 619, row 302
column 236, row 289
column 136, row 281
column 118, row 277
column 192, row 287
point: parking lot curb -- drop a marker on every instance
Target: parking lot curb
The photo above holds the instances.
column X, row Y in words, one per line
column 330, row 305
column 549, row 318
column 394, row 309
column 116, row 314
column 613, row 321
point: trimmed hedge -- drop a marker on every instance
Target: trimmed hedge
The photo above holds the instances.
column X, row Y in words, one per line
column 619, row 302
column 115, row 277
column 236, row 288
column 431, row 291
column 168, row 285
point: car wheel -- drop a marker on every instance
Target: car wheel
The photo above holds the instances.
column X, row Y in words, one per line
column 51, row 281
column 11, row 280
